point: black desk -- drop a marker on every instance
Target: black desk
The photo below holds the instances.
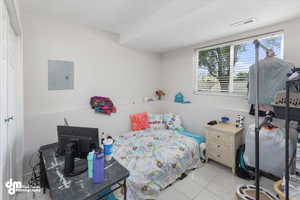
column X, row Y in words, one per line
column 79, row 187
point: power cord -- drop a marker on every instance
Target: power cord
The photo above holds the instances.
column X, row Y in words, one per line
column 34, row 163
column 34, row 180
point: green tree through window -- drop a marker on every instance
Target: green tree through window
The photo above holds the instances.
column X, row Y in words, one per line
column 225, row 68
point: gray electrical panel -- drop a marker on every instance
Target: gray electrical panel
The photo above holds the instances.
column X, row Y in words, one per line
column 60, row 75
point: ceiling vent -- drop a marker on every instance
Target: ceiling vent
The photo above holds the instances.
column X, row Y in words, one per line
column 243, row 22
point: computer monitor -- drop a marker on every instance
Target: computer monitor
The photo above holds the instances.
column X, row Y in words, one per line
column 86, row 139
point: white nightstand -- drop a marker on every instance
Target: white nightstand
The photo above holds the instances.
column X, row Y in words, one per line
column 222, row 142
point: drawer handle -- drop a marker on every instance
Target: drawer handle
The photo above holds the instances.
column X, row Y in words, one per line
column 218, row 146
column 218, row 156
column 218, row 136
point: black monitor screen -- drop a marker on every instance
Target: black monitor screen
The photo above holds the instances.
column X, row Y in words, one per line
column 86, row 139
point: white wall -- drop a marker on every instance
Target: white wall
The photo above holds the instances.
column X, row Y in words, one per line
column 178, row 73
column 102, row 68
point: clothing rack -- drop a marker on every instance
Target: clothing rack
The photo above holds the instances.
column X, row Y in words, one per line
column 289, row 116
column 269, row 52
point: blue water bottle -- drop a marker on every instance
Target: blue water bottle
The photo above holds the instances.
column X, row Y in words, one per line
column 108, row 145
column 90, row 159
column 98, row 167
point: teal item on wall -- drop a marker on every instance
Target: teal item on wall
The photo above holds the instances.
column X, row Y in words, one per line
column 179, row 98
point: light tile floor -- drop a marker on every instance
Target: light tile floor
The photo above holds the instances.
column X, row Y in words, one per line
column 210, row 182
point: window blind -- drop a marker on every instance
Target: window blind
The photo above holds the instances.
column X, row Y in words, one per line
column 224, row 69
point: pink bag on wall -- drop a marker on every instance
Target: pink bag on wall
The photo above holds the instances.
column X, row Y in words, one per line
column 103, row 105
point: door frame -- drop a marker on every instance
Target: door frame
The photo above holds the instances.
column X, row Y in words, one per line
column 10, row 9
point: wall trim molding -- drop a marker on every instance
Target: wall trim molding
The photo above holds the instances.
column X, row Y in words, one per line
column 13, row 15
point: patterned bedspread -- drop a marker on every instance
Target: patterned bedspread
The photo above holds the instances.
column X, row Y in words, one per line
column 155, row 160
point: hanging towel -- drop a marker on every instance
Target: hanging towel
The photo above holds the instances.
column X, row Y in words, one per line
column 272, row 77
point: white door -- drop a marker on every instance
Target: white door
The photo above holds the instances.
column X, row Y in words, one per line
column 3, row 109
column 8, row 134
column 12, row 58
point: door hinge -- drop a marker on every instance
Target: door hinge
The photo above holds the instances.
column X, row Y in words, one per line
column 8, row 119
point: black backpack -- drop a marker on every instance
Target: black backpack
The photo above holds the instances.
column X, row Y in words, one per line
column 241, row 169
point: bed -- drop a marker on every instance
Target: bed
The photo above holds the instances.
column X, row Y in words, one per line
column 155, row 160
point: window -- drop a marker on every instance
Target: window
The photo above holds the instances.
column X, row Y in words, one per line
column 224, row 68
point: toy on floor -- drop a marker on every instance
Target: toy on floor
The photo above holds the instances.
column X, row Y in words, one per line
column 103, row 105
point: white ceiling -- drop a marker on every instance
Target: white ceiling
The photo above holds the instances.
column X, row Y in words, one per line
column 162, row 25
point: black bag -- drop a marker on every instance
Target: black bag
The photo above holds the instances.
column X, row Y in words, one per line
column 241, row 169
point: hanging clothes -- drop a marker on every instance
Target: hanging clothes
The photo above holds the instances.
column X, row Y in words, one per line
column 102, row 105
column 272, row 78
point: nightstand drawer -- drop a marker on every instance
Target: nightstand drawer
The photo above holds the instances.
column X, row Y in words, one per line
column 218, row 138
column 221, row 158
column 219, row 148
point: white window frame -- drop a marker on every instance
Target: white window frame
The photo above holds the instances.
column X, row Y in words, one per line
column 231, row 44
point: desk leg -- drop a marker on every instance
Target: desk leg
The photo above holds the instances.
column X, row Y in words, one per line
column 42, row 173
column 125, row 189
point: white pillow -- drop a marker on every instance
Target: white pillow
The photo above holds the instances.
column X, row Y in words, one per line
column 172, row 121
column 156, row 121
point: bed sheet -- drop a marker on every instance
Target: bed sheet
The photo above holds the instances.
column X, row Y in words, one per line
column 154, row 159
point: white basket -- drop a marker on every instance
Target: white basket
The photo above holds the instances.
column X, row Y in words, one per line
column 280, row 99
